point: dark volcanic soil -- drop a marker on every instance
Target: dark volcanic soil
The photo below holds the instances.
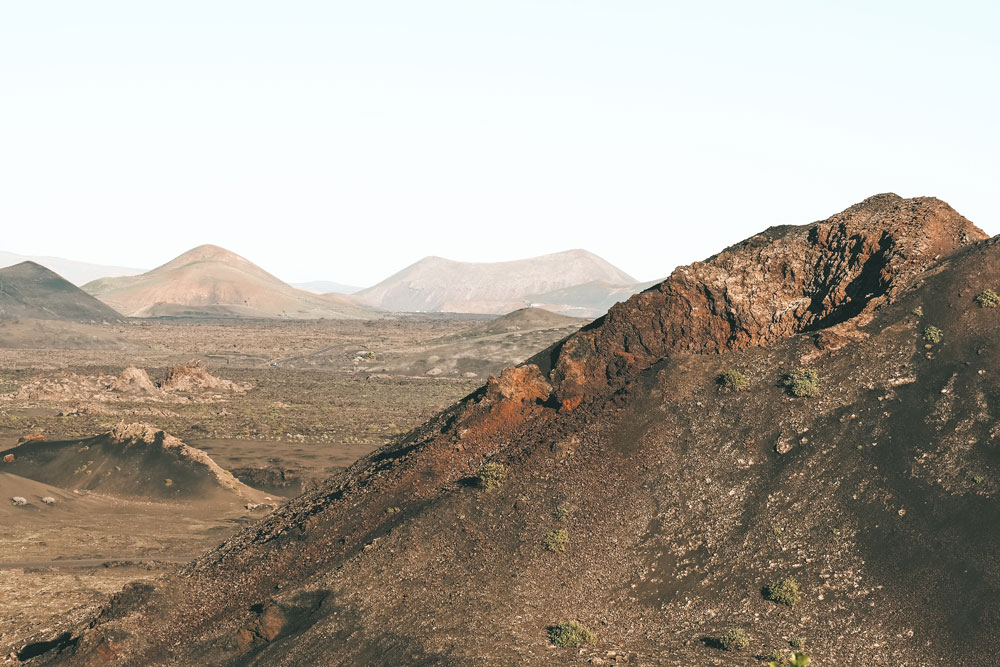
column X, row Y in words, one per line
column 681, row 500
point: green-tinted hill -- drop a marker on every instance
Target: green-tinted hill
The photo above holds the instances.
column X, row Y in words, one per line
column 857, row 466
column 31, row 291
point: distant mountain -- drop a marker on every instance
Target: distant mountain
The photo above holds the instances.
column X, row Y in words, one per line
column 435, row 284
column 31, row 291
column 210, row 281
column 327, row 287
column 77, row 273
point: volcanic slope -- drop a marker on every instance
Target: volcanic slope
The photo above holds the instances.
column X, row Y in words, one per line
column 209, row 281
column 682, row 501
column 435, row 284
column 31, row 291
column 130, row 461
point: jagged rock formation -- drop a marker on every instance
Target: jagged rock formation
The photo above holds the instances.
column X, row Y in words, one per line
column 681, row 502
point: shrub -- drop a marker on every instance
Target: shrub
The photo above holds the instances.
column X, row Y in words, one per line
column 802, row 382
column 733, row 380
column 49, row 500
column 784, row 591
column 933, row 335
column 735, row 639
column 779, row 659
column 391, row 510
column 571, row 634
column 988, row 299
column 797, row 642
column 492, row 475
column 556, row 540
column 918, row 311
column 18, row 501
column 561, row 513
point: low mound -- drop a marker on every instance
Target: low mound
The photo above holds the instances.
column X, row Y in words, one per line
column 191, row 377
column 29, row 290
column 184, row 383
column 209, row 281
column 132, row 460
column 529, row 319
column 133, row 380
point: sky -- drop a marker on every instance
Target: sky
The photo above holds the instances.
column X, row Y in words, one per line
column 343, row 141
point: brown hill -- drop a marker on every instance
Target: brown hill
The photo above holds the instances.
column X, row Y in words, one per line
column 435, row 284
column 209, row 281
column 131, row 460
column 871, row 480
column 31, row 291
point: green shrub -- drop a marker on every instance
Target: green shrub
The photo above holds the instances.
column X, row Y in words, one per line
column 556, row 540
column 988, row 299
column 735, row 639
column 733, row 380
column 779, row 659
column 492, row 475
column 784, row 591
column 571, row 634
column 918, row 311
column 933, row 335
column 561, row 513
column 802, row 382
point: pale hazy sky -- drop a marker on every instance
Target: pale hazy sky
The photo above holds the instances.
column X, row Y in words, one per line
column 344, row 140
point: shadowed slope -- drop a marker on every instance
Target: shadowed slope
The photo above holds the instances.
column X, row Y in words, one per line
column 31, row 291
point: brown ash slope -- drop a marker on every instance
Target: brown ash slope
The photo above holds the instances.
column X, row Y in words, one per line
column 678, row 505
column 209, row 281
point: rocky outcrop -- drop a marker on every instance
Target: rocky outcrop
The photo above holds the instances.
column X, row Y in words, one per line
column 191, row 377
column 783, row 281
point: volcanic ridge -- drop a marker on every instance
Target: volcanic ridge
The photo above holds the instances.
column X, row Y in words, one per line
column 791, row 444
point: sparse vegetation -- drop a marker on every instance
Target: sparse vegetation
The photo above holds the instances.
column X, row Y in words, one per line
column 733, row 380
column 933, row 335
column 391, row 510
column 562, row 513
column 918, row 311
column 735, row 639
column 988, row 299
column 491, row 476
column 784, row 591
column 797, row 642
column 572, row 634
column 791, row 659
column 802, row 382
column 556, row 540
